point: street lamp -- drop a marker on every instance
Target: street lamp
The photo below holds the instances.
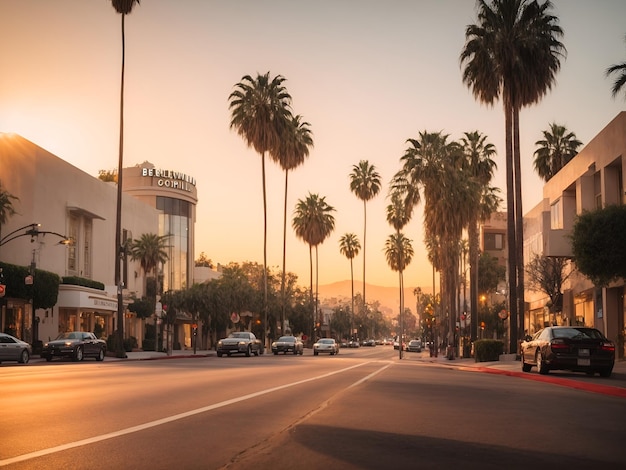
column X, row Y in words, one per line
column 32, row 231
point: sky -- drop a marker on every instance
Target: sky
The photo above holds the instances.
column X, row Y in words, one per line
column 367, row 75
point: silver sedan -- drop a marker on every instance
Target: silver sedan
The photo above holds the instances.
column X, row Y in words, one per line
column 13, row 349
column 326, row 345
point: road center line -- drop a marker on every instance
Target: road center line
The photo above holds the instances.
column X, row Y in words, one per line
column 186, row 414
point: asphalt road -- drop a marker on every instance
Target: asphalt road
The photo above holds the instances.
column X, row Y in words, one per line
column 360, row 409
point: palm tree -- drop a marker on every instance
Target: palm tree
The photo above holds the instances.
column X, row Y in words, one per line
column 260, row 114
column 293, row 150
column 313, row 223
column 557, row 147
column 6, row 206
column 365, row 183
column 478, row 158
column 620, row 71
column 398, row 247
column 349, row 246
column 123, row 7
column 436, row 167
column 513, row 52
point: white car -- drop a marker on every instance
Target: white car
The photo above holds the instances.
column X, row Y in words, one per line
column 326, row 345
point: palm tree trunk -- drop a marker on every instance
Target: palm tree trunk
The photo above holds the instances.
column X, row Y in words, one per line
column 118, row 216
column 352, row 298
column 364, row 245
column 282, row 286
column 510, row 221
column 312, row 322
column 473, row 250
column 317, row 284
column 264, row 253
column 519, row 236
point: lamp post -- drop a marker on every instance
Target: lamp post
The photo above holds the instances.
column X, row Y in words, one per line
column 32, row 231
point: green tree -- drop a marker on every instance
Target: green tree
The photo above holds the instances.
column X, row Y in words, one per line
column 479, row 155
column 547, row 274
column 293, row 150
column 365, row 184
column 598, row 244
column 204, row 261
column 313, row 222
column 557, row 147
column 349, row 246
column 260, row 114
column 513, row 53
column 123, row 7
column 490, row 274
column 620, row 76
column 7, row 210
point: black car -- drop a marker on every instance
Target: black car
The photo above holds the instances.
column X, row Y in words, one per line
column 76, row 345
column 573, row 348
column 286, row 344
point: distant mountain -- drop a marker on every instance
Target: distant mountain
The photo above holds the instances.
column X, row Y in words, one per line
column 389, row 297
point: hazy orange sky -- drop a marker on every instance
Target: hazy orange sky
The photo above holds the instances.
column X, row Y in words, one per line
column 366, row 74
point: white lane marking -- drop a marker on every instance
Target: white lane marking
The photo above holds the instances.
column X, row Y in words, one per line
column 159, row 422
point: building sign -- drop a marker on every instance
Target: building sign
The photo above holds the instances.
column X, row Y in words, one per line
column 170, row 179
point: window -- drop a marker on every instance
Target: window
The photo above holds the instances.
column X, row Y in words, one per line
column 556, row 220
column 494, row 241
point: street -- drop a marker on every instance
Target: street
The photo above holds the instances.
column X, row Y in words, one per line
column 360, row 409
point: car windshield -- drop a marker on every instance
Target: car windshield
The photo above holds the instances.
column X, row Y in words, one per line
column 287, row 339
column 239, row 335
column 326, row 341
column 578, row 333
column 69, row 335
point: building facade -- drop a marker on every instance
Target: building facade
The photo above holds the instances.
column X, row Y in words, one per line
column 66, row 203
column 592, row 180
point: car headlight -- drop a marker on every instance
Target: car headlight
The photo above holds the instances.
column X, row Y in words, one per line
column 274, row 344
column 219, row 343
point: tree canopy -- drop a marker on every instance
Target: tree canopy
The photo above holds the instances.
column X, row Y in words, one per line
column 598, row 244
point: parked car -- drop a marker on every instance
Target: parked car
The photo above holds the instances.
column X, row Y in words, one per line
column 326, row 345
column 286, row 344
column 369, row 342
column 240, row 342
column 354, row 344
column 573, row 348
column 76, row 345
column 415, row 345
column 13, row 349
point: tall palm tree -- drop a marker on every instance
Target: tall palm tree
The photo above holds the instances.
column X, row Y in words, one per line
column 123, row 7
column 513, row 52
column 436, row 167
column 478, row 158
column 365, row 183
column 349, row 246
column 398, row 216
column 293, row 149
column 620, row 71
column 313, row 222
column 260, row 110
column 557, row 147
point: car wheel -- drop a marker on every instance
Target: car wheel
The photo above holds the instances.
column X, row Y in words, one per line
column 249, row 351
column 48, row 358
column 295, row 352
column 219, row 354
column 542, row 367
column 606, row 372
column 100, row 356
column 78, row 355
column 525, row 366
column 24, row 357
column 275, row 353
column 315, row 353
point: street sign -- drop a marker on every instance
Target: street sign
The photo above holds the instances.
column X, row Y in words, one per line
column 28, row 280
column 3, row 290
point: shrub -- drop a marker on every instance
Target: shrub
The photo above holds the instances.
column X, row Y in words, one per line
column 488, row 350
